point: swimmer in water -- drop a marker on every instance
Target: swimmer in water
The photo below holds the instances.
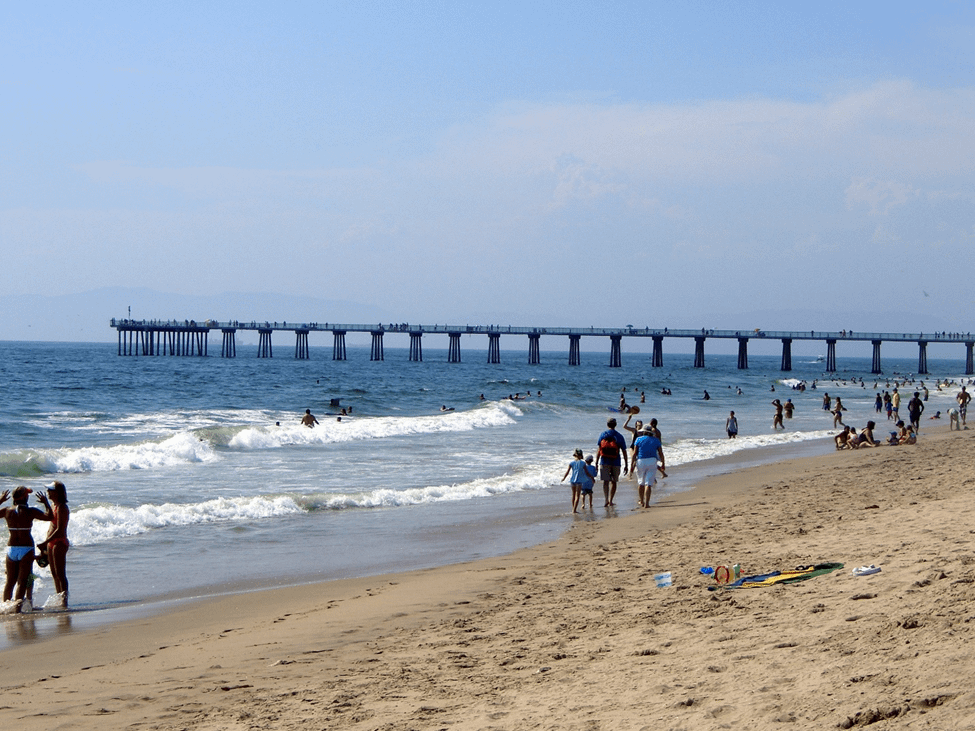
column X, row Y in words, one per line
column 309, row 419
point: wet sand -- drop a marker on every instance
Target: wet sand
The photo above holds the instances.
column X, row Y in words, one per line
column 575, row 633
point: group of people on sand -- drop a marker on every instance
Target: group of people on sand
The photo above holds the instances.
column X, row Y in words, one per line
column 615, row 458
column 849, row 439
column 52, row 551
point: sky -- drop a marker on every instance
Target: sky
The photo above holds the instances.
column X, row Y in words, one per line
column 532, row 163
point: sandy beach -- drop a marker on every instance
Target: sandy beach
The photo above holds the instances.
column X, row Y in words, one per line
column 575, row 634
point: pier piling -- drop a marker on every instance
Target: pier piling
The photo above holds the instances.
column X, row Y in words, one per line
column 376, row 351
column 338, row 344
column 416, row 346
column 534, row 349
column 786, row 354
column 453, row 351
column 494, row 348
column 264, row 349
column 742, row 354
column 699, row 351
column 615, row 351
column 229, row 347
column 574, row 358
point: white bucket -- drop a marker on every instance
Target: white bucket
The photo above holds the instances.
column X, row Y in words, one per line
column 662, row 580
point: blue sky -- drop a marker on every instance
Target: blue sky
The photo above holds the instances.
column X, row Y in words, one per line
column 534, row 163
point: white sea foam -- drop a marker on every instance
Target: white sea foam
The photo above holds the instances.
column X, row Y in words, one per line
column 201, row 437
column 106, row 522
column 683, row 451
column 534, row 479
column 182, row 448
column 331, row 431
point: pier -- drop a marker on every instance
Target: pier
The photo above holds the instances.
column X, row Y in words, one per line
column 190, row 338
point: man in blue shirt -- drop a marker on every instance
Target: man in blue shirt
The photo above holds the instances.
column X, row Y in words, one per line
column 611, row 455
column 648, row 450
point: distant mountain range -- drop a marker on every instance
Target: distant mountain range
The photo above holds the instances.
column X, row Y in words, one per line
column 85, row 317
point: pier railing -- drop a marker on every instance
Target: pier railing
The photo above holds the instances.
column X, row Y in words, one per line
column 190, row 337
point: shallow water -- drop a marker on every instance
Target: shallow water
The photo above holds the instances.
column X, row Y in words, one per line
column 182, row 482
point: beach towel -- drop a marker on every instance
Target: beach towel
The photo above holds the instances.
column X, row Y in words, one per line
column 801, row 573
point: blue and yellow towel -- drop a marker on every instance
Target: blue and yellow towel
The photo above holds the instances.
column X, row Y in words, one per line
column 801, row 573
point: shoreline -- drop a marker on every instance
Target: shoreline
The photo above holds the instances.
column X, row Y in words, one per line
column 517, row 640
column 688, row 476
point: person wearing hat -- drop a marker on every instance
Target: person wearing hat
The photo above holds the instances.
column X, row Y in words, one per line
column 20, row 546
column 54, row 548
column 648, row 450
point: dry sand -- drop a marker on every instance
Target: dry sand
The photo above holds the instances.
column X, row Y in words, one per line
column 575, row 634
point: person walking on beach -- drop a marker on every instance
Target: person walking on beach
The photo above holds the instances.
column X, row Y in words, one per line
column 20, row 546
column 580, row 476
column 915, row 407
column 648, row 451
column 611, row 454
column 895, row 403
column 309, row 419
column 963, row 398
column 777, row 419
column 590, row 482
column 731, row 426
column 54, row 548
column 826, row 402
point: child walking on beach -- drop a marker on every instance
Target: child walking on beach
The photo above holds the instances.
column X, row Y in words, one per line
column 581, row 476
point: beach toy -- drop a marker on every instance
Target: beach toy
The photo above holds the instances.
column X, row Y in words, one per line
column 707, row 570
column 662, row 579
column 866, row 570
column 727, row 574
column 634, row 409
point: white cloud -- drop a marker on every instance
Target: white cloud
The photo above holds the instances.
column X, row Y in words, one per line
column 878, row 196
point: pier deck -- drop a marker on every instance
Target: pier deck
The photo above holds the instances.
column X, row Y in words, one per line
column 190, row 338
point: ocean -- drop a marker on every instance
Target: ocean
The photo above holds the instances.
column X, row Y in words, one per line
column 191, row 476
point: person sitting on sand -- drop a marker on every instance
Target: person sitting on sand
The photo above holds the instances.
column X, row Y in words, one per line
column 909, row 437
column 842, row 439
column 309, row 419
column 20, row 546
column 866, row 438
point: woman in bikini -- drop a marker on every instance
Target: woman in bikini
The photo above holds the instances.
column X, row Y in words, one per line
column 20, row 547
column 55, row 546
